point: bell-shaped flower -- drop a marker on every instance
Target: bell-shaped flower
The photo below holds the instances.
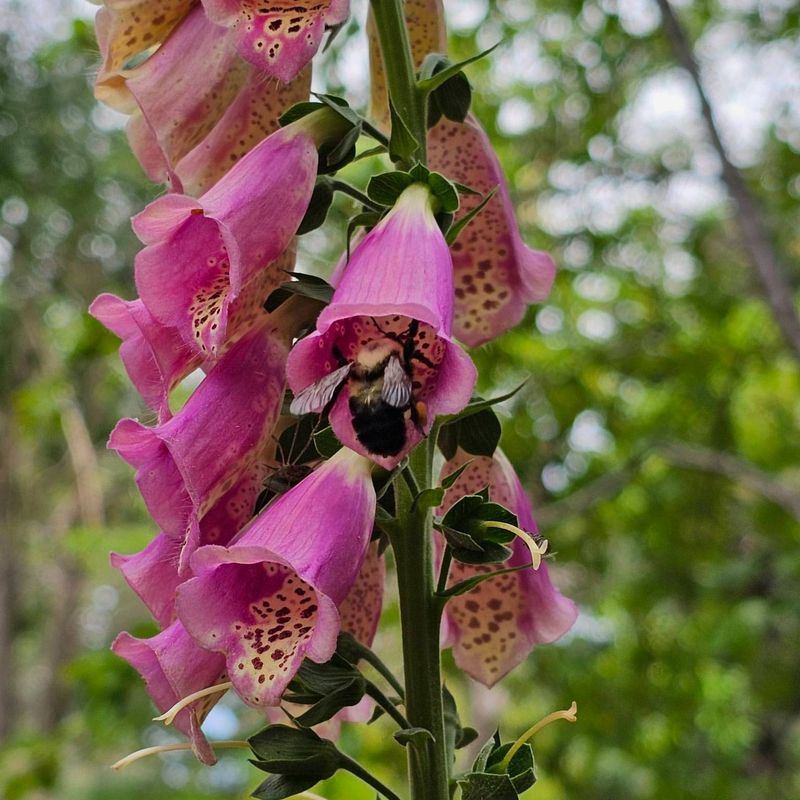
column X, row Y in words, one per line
column 496, row 274
column 127, row 30
column 494, row 627
column 279, row 38
column 190, row 132
column 381, row 357
column 185, row 465
column 155, row 573
column 270, row 599
column 201, row 253
column 155, row 357
column 173, row 666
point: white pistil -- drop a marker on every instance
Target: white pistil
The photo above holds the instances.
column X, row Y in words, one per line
column 538, row 549
column 168, row 717
column 168, row 748
column 570, row 715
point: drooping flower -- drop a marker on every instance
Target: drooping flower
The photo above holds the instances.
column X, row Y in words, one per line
column 190, row 132
column 155, row 355
column 201, row 253
column 155, row 573
column 185, row 465
column 125, row 30
column 494, row 627
column 270, row 599
column 496, row 274
column 385, row 337
column 173, row 667
column 277, row 37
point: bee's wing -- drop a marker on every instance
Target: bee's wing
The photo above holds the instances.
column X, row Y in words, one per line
column 314, row 398
column 396, row 384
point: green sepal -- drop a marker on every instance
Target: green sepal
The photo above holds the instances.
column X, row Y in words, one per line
column 320, row 203
column 326, row 442
column 346, row 695
column 436, row 80
column 468, row 736
column 455, row 230
column 298, row 111
column 489, row 780
column 294, row 752
column 311, row 286
column 483, row 786
column 340, row 106
column 413, row 736
column 477, row 434
column 402, row 143
column 444, row 191
column 279, row 787
column 388, row 186
column 332, row 159
column 521, row 769
column 452, row 98
column 462, row 587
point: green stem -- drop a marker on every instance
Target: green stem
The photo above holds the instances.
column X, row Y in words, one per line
column 356, row 194
column 356, row 769
column 420, row 617
column 387, row 705
column 401, row 76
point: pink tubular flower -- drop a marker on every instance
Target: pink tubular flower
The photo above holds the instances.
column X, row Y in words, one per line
column 270, row 599
column 201, row 253
column 496, row 274
column 173, row 667
column 277, row 37
column 386, row 337
column 185, row 465
column 495, row 626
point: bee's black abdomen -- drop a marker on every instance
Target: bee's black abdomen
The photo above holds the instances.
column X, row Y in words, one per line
column 381, row 428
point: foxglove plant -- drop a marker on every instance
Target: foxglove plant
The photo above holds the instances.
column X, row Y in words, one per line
column 327, row 410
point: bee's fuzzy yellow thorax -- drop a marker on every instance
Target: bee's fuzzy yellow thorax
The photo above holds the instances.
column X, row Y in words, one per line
column 375, row 352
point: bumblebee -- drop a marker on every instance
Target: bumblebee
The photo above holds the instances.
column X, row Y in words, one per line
column 379, row 386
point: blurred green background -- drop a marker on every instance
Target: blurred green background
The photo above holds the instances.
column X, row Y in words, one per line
column 658, row 434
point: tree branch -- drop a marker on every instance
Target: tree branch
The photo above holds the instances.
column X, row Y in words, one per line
column 753, row 228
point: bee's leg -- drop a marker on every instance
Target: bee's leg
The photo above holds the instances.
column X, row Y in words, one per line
column 419, row 415
column 422, row 359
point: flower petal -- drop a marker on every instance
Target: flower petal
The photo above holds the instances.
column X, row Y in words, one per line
column 496, row 274
column 269, row 600
column 278, row 39
column 210, row 248
column 494, row 627
column 185, row 465
column 155, row 357
column 360, row 611
column 173, row 667
column 128, row 28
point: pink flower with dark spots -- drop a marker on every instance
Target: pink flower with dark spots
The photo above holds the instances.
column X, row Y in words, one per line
column 271, row 598
column 185, row 465
column 279, row 38
column 381, row 357
column 494, row 627
column 173, row 667
column 496, row 274
column 201, row 254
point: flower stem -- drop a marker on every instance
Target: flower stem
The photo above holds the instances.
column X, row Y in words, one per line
column 356, row 769
column 398, row 63
column 420, row 616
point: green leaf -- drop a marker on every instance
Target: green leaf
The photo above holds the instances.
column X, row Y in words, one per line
column 429, row 84
column 278, row 787
column 326, row 442
column 482, row 758
column 454, row 476
column 453, row 98
column 483, row 786
column 470, row 583
column 521, row 770
column 459, row 540
column 345, row 695
column 402, row 143
column 429, row 498
column 467, row 737
column 294, row 752
column 342, row 153
column 414, row 736
column 453, row 233
column 388, row 186
column 478, row 404
column 431, row 64
column 340, row 106
column 311, row 286
column 491, row 553
column 320, row 203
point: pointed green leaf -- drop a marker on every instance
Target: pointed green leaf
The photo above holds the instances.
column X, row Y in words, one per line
column 298, row 111
column 402, row 143
column 429, row 498
column 429, row 84
column 415, row 736
column 279, row 787
column 444, row 192
column 388, row 186
column 294, row 751
column 453, row 233
column 318, row 206
column 454, row 476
